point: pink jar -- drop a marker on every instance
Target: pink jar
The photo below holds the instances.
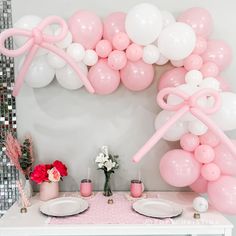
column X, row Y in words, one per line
column 136, row 188
column 86, row 187
column 48, row 190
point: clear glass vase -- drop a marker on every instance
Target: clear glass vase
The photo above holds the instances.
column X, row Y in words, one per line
column 107, row 185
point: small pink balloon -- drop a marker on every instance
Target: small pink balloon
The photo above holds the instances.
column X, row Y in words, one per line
column 201, row 45
column 179, row 168
column 210, row 69
column 209, row 138
column 199, row 19
column 189, row 142
column 103, row 79
column 223, row 84
column 113, row 24
column 219, row 53
column 117, row 60
column 134, row 52
column 193, row 62
column 120, row 41
column 137, row 76
column 103, row 48
column 204, row 153
column 86, row 28
column 172, row 78
column 210, row 172
column 222, row 194
column 200, row 185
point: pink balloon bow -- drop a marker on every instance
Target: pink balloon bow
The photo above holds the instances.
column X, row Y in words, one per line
column 189, row 104
column 37, row 39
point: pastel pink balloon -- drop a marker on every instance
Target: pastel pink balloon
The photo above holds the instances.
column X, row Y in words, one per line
column 199, row 19
column 179, row 168
column 223, row 84
column 137, row 76
column 120, row 41
column 86, row 28
column 219, row 53
column 172, row 78
column 189, row 142
column 209, row 138
column 210, row 69
column 103, row 48
column 113, row 24
column 222, row 194
column 225, row 160
column 117, row 60
column 193, row 62
column 204, row 153
column 201, row 45
column 103, row 79
column 134, row 52
column 210, row 172
column 200, row 185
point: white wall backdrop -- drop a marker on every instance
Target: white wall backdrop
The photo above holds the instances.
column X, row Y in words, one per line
column 71, row 126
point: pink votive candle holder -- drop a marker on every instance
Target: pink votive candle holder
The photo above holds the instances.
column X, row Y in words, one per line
column 86, row 187
column 136, row 188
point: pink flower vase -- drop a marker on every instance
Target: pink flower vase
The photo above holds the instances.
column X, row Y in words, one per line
column 48, row 190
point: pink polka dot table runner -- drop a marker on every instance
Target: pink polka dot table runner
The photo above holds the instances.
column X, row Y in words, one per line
column 100, row 212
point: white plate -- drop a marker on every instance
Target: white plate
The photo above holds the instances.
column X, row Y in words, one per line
column 158, row 208
column 64, row 206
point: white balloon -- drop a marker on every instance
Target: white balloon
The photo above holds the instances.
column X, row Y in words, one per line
column 210, row 82
column 196, row 127
column 177, row 41
column 193, row 77
column 76, row 51
column 68, row 78
column 177, row 63
column 66, row 41
column 167, row 18
column 55, row 61
column 162, row 60
column 90, row 57
column 151, row 54
column 143, row 23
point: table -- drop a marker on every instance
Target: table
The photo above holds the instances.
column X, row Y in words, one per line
column 33, row 223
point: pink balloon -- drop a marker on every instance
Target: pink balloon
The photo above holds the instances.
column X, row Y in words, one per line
column 189, row 142
column 179, row 168
column 199, row 19
column 137, row 76
column 117, row 60
column 120, row 41
column 113, row 24
column 134, row 52
column 103, row 78
column 223, row 84
column 219, row 53
column 225, row 160
column 172, row 78
column 193, row 62
column 210, row 172
column 210, row 69
column 209, row 138
column 200, row 185
column 201, row 45
column 103, row 48
column 222, row 194
column 86, row 28
column 204, row 153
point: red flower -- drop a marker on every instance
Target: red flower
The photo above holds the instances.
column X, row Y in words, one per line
column 39, row 174
column 60, row 167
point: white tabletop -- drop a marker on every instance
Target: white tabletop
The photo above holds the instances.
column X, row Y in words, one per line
column 34, row 223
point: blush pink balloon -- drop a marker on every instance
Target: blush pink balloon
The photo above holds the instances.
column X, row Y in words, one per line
column 222, row 194
column 120, row 41
column 199, row 19
column 210, row 172
column 134, row 52
column 204, row 153
column 225, row 160
column 103, row 79
column 223, row 84
column 103, row 48
column 137, row 76
column 200, row 185
column 189, row 142
column 209, row 138
column 219, row 53
column 117, row 60
column 201, row 45
column 86, row 28
column 113, row 24
column 193, row 62
column 210, row 69
column 172, row 78
column 179, row 168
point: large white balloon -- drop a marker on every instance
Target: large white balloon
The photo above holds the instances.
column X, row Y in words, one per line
column 68, row 79
column 55, row 61
column 151, row 54
column 177, row 41
column 196, row 127
column 76, row 51
column 143, row 23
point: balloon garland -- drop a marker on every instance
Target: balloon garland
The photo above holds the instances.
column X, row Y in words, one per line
column 196, row 102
